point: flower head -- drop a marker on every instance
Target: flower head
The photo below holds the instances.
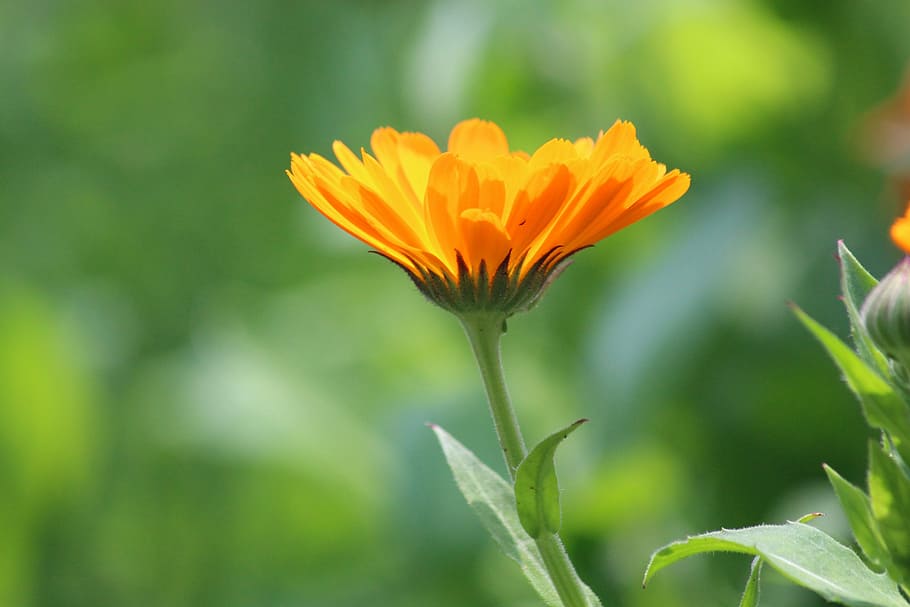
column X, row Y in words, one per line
column 481, row 227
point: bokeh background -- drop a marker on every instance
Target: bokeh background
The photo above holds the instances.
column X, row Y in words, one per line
column 211, row 396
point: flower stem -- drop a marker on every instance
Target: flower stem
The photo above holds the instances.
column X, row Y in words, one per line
column 484, row 331
column 561, row 571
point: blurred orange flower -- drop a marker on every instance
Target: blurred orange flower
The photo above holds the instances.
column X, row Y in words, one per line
column 900, row 230
column 479, row 226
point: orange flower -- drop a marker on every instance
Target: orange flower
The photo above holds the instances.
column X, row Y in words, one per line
column 480, row 227
column 900, row 230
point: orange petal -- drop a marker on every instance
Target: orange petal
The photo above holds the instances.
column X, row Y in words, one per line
column 382, row 213
column 478, row 140
column 389, row 189
column 483, row 238
column 452, row 187
column 608, row 191
column 900, row 232
column 416, row 153
column 492, row 195
column 340, row 210
column 555, row 151
column 384, row 142
column 350, row 162
column 537, row 205
column 406, row 158
column 618, row 140
column 512, row 169
column 667, row 191
column 584, row 146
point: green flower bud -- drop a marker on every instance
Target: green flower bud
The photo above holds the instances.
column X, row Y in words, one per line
column 886, row 315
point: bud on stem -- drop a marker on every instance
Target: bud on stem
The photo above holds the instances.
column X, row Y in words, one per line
column 886, row 316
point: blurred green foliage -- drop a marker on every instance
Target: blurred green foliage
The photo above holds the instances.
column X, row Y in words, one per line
column 211, row 396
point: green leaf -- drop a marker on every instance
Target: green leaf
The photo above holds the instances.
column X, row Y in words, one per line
column 889, row 492
column 883, row 408
column 858, row 508
column 493, row 500
column 856, row 283
column 537, row 488
column 751, row 593
column 803, row 554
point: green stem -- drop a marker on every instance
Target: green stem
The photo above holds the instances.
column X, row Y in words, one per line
column 562, row 573
column 484, row 331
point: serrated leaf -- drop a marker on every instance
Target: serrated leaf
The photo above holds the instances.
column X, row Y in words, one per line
column 856, row 283
column 751, row 593
column 537, row 488
column 803, row 554
column 858, row 508
column 889, row 493
column 882, row 407
column 493, row 500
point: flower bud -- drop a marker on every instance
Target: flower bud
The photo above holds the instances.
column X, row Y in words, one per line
column 886, row 314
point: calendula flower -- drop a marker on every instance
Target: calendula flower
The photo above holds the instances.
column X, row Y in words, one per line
column 481, row 227
column 900, row 230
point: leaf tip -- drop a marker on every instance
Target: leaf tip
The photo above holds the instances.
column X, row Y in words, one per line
column 794, row 307
column 842, row 252
column 810, row 517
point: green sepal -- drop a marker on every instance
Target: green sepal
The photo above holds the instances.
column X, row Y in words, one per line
column 803, row 554
column 507, row 291
column 537, row 488
column 482, row 286
column 856, row 284
column 467, row 288
column 882, row 406
column 858, row 509
column 500, row 284
column 751, row 593
column 889, row 493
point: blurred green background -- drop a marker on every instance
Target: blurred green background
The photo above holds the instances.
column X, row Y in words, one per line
column 211, row 396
